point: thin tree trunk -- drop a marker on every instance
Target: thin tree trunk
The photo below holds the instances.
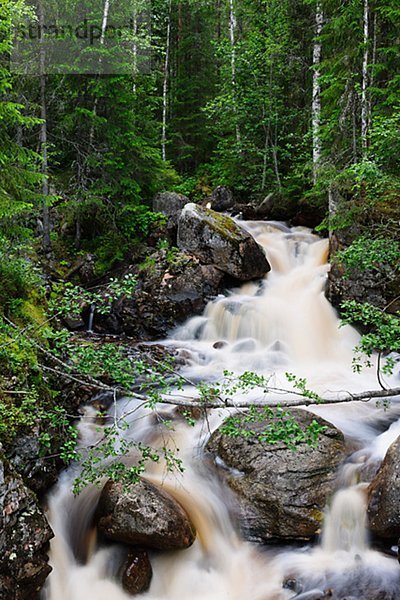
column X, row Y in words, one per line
column 354, row 123
column 265, row 161
column 316, row 99
column 333, row 208
column 165, row 85
column 364, row 98
column 106, row 10
column 274, row 147
column 372, row 75
column 135, row 49
column 46, row 241
column 232, row 32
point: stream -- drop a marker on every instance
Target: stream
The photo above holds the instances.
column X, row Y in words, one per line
column 280, row 324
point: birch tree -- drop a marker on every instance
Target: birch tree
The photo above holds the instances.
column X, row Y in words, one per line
column 364, row 97
column 316, row 98
column 165, row 84
column 232, row 37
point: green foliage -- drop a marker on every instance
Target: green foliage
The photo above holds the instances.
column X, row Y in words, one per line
column 70, row 299
column 367, row 253
column 384, row 330
column 277, row 426
column 20, row 278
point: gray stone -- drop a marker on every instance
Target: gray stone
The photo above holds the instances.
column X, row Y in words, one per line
column 222, row 199
column 24, row 537
column 216, row 239
column 384, row 497
column 281, row 492
column 143, row 515
column 170, row 204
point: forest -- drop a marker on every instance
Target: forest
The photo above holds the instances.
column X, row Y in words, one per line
column 163, row 163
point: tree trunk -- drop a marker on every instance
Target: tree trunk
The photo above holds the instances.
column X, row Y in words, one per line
column 106, row 10
column 46, row 241
column 316, row 99
column 232, row 32
column 165, row 84
column 364, row 98
column 372, row 74
column 135, row 49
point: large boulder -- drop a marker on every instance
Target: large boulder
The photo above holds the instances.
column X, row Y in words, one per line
column 384, row 497
column 281, row 492
column 216, row 239
column 24, row 537
column 170, row 290
column 143, row 515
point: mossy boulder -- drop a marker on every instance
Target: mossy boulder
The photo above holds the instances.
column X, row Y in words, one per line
column 218, row 240
column 281, row 493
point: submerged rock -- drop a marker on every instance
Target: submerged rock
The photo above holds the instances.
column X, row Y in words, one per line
column 281, row 493
column 24, row 537
column 384, row 497
column 216, row 239
column 143, row 515
column 137, row 572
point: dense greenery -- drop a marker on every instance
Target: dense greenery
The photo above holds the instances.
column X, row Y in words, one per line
column 227, row 101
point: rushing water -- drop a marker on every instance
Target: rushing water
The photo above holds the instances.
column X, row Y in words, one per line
column 282, row 323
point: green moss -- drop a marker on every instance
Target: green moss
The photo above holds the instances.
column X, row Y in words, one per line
column 224, row 225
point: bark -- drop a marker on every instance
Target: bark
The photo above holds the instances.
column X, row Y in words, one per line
column 232, row 32
column 274, row 148
column 316, row 100
column 135, row 49
column 165, row 84
column 364, row 97
column 372, row 74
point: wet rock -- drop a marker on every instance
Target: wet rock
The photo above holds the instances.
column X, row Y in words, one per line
column 313, row 595
column 38, row 471
column 24, row 537
column 74, row 322
column 379, row 286
column 281, row 493
column 137, row 572
column 143, row 515
column 169, row 292
column 222, row 199
column 384, row 497
column 216, row 239
column 360, row 286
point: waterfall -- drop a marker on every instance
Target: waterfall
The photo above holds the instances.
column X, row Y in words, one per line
column 281, row 324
